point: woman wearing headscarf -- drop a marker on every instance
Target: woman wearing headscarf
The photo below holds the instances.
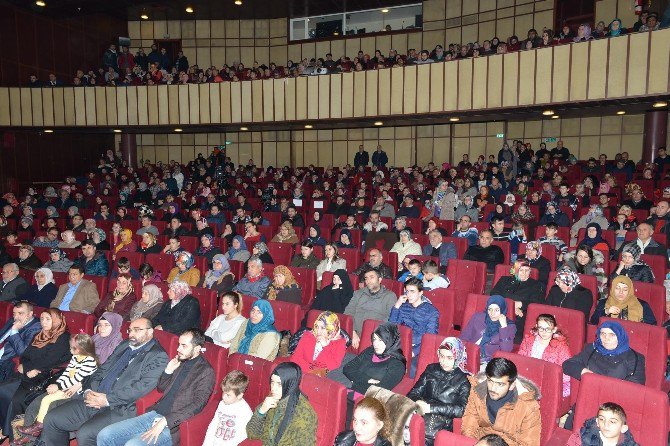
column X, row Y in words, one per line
column 498, row 213
column 593, row 216
column 553, row 214
column 51, row 212
column 149, row 244
column 382, row 364
column 127, row 243
column 286, row 234
column 284, row 286
column 406, row 246
column 536, row 260
column 219, row 278
column 149, row 303
column 323, row 348
column 589, row 261
column 523, row 215
column 335, row 297
column 238, row 250
column 260, row 250
column 48, row 349
column 27, row 258
column 58, row 261
column 228, row 232
column 632, row 267
column 285, row 417
column 467, row 207
column 623, row 304
column 546, row 341
column 443, row 389
column 583, row 33
column 443, row 202
column 609, row 355
column 107, row 335
column 228, row 321
column 258, row 336
column 345, row 240
column 568, row 292
column 99, row 237
column 490, row 329
column 179, row 313
column 119, row 301
column 594, row 239
column 615, row 29
column 523, row 290
column 184, row 270
column 68, row 240
column 208, row 249
column 171, row 212
column 44, row 291
column 314, row 236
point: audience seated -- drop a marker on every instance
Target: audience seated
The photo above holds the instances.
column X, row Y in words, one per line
column 238, row 249
column 632, row 266
column 16, row 335
column 78, row 294
column 589, row 261
column 232, row 413
column 284, row 286
column 107, row 335
column 432, row 279
column 486, row 251
column 13, row 285
column 491, row 329
column 180, row 312
column 568, row 292
column 623, row 304
column 58, row 261
column 405, row 246
column 306, row 258
column 437, row 248
column 260, row 250
column 375, row 262
column 331, row 262
column 321, row 349
column 120, row 300
column 27, row 258
column 257, row 336
column 607, row 427
column 94, row 263
column 255, row 283
column 370, row 425
column 336, row 296
column 185, row 270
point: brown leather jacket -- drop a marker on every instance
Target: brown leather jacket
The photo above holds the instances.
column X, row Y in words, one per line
column 518, row 422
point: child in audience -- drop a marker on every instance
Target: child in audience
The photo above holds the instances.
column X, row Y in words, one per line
column 550, row 237
column 432, row 279
column 229, row 425
column 609, row 428
column 413, row 270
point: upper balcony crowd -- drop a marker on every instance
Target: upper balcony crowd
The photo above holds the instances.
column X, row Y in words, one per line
column 122, row 68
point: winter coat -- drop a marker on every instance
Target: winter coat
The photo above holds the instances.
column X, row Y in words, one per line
column 543, row 267
column 638, row 273
column 447, row 252
column 647, row 314
column 447, row 206
column 557, row 352
column 503, row 341
column 330, row 357
column 446, row 393
column 310, row 262
column 301, row 430
column 348, row 438
column 472, row 212
column 594, row 268
column 492, row 256
column 559, row 218
column 628, row 366
column 191, row 276
column 97, row 266
column 422, row 319
column 518, row 422
column 181, row 317
column 263, row 345
column 589, row 435
column 256, row 289
column 579, row 298
column 362, row 368
column 528, row 292
column 366, row 305
column 403, row 250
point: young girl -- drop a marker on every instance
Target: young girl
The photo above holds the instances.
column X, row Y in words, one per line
column 83, row 363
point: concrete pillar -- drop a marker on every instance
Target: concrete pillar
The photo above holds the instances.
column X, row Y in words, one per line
column 655, row 133
column 129, row 149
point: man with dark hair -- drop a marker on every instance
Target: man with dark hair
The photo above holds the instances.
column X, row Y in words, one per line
column 491, row 440
column 15, row 336
column 293, row 217
column 186, row 385
column 362, row 157
column 486, row 251
column 306, row 258
column 78, row 294
column 503, row 403
column 375, row 262
column 94, row 263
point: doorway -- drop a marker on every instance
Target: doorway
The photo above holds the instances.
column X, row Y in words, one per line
column 573, row 13
column 172, row 47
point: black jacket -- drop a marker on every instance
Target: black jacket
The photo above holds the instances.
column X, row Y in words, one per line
column 184, row 315
column 590, row 435
column 359, row 370
column 492, row 256
column 446, row 392
column 639, row 273
column 628, row 366
column 543, row 267
column 361, row 159
column 348, row 438
column 579, row 298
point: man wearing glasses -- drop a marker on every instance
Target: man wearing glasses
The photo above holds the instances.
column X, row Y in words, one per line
column 15, row 336
column 131, row 372
column 12, row 286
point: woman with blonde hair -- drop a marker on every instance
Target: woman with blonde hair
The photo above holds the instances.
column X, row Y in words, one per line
column 323, row 348
column 286, row 234
column 284, row 286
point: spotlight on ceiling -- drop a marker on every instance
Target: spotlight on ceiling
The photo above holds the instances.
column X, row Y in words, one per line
column 244, row 129
column 454, row 119
column 238, row 2
column 555, row 117
column 621, row 112
column 144, row 16
column 48, row 131
column 41, row 3
column 117, row 130
column 379, row 123
column 189, row 9
column 548, row 112
column 660, row 104
column 385, row 10
column 178, row 130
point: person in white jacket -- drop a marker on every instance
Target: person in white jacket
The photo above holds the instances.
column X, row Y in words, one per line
column 229, row 425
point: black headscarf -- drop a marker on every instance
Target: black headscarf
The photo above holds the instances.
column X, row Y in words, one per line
column 318, row 240
column 232, row 235
column 390, row 335
column 290, row 375
column 335, row 300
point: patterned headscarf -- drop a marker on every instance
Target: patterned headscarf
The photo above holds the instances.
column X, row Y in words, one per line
column 289, row 281
column 457, row 347
column 187, row 258
column 537, row 246
column 100, row 233
column 180, row 288
column 261, row 247
column 331, row 322
column 67, row 236
column 568, row 277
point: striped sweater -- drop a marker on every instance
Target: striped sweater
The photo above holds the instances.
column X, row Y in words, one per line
column 80, row 367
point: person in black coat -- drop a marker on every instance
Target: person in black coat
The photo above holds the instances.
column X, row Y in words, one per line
column 379, row 157
column 486, row 252
column 44, row 291
column 536, row 260
column 443, row 389
column 569, row 293
column 373, row 425
column 27, row 259
column 362, row 157
column 382, row 364
column 335, row 297
column 180, row 313
column 523, row 290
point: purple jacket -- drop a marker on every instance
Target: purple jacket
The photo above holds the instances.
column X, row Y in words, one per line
column 474, row 331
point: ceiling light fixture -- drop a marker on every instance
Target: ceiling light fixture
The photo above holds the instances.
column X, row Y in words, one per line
column 48, row 131
column 238, row 2
column 117, row 130
column 454, row 119
column 555, row 117
column 244, row 129
column 41, row 3
column 660, row 104
column 385, row 10
column 308, row 126
column 144, row 16
column 621, row 112
column 178, row 130
column 548, row 112
column 379, row 123
column 189, row 9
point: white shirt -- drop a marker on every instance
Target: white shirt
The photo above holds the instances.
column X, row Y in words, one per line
column 229, row 425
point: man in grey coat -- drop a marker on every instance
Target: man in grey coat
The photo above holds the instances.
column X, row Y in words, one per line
column 372, row 302
column 12, row 286
column 109, row 396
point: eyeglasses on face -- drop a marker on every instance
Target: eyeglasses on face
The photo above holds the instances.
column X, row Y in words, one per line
column 136, row 330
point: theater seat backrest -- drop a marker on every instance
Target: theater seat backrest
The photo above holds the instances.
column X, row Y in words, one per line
column 207, row 300
column 247, row 303
column 218, row 359
column 465, row 277
column 460, row 243
column 306, row 278
column 444, row 299
column 649, row 341
column 646, row 409
column 258, row 371
column 654, row 295
column 446, row 438
column 370, row 325
column 506, row 249
column 287, row 315
column 329, row 400
column 570, row 322
column 548, row 377
column 162, row 263
column 168, row 341
column 548, row 252
column 79, row 322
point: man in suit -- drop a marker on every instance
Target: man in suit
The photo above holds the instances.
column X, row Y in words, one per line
column 15, row 336
column 186, row 385
column 78, row 294
column 109, row 396
column 436, row 248
column 12, row 286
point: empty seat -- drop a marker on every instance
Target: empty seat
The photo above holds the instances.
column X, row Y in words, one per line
column 168, row 341
column 162, row 263
column 306, row 278
column 466, row 277
column 77, row 322
column 329, row 400
column 281, row 253
column 654, row 295
column 207, row 299
column 287, row 315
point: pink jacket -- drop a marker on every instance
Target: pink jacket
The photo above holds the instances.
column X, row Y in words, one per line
column 329, row 358
column 556, row 352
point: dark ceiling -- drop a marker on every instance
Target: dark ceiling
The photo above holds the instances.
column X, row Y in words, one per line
column 203, row 9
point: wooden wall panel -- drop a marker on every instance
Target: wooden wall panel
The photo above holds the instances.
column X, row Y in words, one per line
column 132, row 105
column 100, row 117
column 121, row 105
column 26, row 107
column 450, row 86
column 59, row 105
column 47, row 106
column 660, row 62
column 638, row 54
column 290, row 95
column 257, row 99
column 36, row 107
column 246, row 104
column 397, row 90
column 268, row 100
column 142, row 113
column 313, row 97
column 324, row 97
column 561, row 73
column 226, row 102
column 543, row 78
column 204, row 105
column 511, row 78
column 235, row 101
column 384, row 92
column 409, row 86
column 301, row 98
column 89, row 97
column 495, row 79
column 279, row 99
column 597, row 71
column 579, row 70
column 110, row 100
column 336, row 96
column 152, row 101
column 79, row 105
column 479, row 82
column 163, row 105
column 371, row 92
column 359, row 94
column 527, row 61
column 5, row 110
column 465, row 84
column 423, row 88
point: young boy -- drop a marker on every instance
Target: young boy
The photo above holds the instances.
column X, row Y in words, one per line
column 609, row 428
column 550, row 237
column 432, row 279
column 413, row 270
column 229, row 425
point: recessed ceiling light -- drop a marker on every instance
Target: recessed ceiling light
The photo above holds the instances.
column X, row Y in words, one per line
column 336, row 33
column 41, row 3
column 621, row 112
column 244, row 129
column 379, row 123
column 308, row 126
column 178, row 130
column 117, row 130
column 385, row 10
column 548, row 112
column 660, row 104
column 555, row 117
column 189, row 9
column 144, row 17
column 454, row 119
column 238, row 2
column 48, row 131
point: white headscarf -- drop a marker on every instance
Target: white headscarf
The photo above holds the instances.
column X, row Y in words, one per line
column 49, row 276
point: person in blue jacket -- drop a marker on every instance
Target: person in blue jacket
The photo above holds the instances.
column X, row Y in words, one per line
column 415, row 311
column 15, row 336
column 94, row 263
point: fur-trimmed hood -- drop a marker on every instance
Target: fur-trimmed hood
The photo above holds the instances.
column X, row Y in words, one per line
column 598, row 257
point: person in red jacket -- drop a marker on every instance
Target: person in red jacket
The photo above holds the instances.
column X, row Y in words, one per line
column 322, row 349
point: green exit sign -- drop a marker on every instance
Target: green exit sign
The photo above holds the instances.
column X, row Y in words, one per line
column 500, row 135
column 549, row 139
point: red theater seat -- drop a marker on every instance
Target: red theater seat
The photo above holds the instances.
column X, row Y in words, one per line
column 207, row 299
column 370, row 325
column 287, row 315
column 444, row 300
column 466, row 277
column 446, row 438
column 79, row 322
column 329, row 400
